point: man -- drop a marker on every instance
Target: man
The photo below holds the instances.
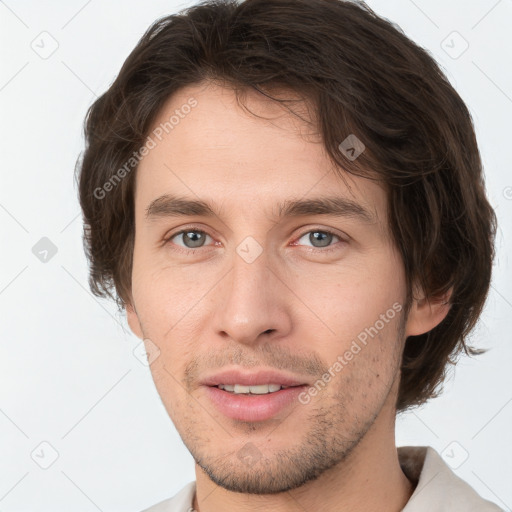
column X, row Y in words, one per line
column 286, row 197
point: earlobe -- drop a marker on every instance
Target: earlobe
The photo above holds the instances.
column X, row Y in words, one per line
column 133, row 321
column 426, row 314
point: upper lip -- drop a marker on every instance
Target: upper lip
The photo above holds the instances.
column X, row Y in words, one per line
column 255, row 378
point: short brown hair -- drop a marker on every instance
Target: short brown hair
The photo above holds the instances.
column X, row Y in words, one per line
column 364, row 77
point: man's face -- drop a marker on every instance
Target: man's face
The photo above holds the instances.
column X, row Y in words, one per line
column 252, row 290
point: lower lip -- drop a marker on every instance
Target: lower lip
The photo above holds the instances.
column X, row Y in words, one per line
column 253, row 407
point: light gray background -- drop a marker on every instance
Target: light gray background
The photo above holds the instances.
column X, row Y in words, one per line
column 70, row 378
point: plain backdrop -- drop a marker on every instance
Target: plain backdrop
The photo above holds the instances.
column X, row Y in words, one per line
column 81, row 425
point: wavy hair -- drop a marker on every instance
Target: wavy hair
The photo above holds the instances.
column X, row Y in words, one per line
column 363, row 76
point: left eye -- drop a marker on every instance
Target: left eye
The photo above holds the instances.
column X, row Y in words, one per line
column 320, row 237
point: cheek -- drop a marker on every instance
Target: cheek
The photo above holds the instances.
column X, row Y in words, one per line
column 348, row 300
column 362, row 310
column 165, row 297
column 362, row 375
column 170, row 304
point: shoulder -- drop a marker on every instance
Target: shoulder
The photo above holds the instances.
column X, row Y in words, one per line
column 438, row 488
column 180, row 502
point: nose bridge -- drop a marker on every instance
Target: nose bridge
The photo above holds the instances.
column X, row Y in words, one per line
column 249, row 302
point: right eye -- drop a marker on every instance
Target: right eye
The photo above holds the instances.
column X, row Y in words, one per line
column 190, row 239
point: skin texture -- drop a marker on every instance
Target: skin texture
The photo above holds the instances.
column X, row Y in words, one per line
column 296, row 307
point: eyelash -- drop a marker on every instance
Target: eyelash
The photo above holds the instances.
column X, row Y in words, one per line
column 186, row 250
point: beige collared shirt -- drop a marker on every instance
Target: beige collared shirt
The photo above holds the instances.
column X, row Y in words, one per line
column 438, row 488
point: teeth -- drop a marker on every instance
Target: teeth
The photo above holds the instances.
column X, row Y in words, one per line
column 255, row 390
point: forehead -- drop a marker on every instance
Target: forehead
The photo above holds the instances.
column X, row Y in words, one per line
column 208, row 146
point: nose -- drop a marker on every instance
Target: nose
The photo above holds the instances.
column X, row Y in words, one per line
column 252, row 302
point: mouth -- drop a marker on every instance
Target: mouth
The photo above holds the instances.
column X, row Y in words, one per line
column 262, row 389
column 258, row 395
column 253, row 403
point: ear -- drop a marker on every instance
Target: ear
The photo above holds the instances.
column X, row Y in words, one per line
column 133, row 321
column 427, row 314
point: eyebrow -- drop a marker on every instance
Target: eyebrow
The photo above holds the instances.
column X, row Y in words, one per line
column 175, row 206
